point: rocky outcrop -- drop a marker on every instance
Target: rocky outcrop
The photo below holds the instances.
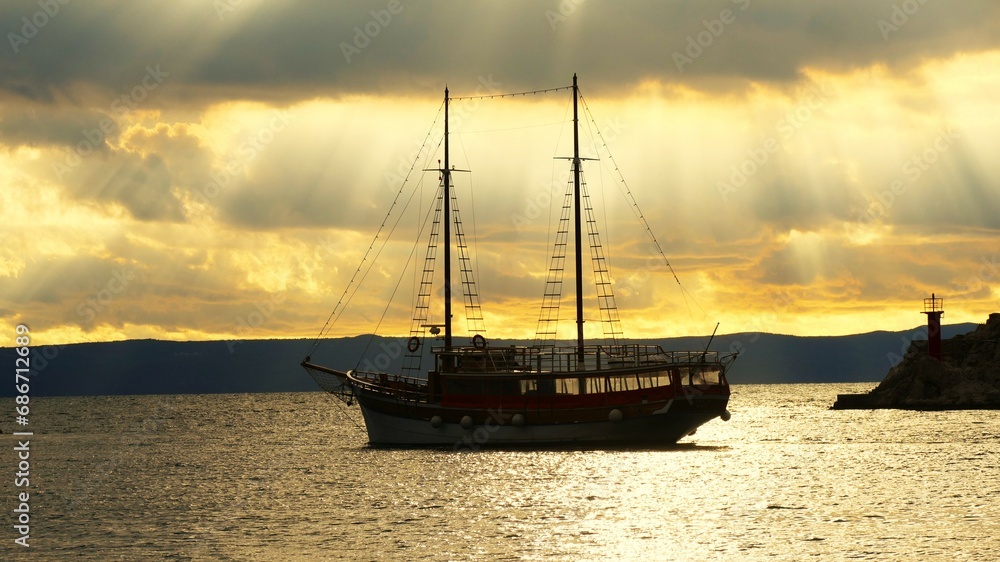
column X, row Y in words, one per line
column 967, row 376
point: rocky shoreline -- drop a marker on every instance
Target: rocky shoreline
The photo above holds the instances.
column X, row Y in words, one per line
column 967, row 377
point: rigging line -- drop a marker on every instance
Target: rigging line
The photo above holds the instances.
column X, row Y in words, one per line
column 399, row 281
column 565, row 120
column 385, row 243
column 347, row 414
column 491, row 96
column 421, row 224
column 510, row 128
column 476, row 277
column 548, row 225
column 604, row 205
column 327, row 326
column 554, row 178
column 633, row 204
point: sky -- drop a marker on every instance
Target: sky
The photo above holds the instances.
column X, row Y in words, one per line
column 202, row 170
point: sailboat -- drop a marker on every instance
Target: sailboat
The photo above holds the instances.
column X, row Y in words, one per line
column 551, row 393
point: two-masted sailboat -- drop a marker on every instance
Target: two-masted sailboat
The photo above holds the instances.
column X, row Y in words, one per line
column 478, row 394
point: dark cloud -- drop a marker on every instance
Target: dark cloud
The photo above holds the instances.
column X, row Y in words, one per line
column 336, row 180
column 37, row 125
column 140, row 184
column 296, row 50
column 64, row 282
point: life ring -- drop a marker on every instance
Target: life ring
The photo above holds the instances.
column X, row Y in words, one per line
column 413, row 344
column 478, row 341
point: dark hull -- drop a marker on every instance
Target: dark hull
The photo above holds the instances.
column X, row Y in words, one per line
column 497, row 429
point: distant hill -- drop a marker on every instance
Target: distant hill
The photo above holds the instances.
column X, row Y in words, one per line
column 166, row 367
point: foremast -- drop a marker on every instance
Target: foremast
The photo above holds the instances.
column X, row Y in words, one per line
column 445, row 170
column 446, row 177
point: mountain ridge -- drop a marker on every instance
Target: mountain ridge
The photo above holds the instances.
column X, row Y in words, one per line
column 272, row 365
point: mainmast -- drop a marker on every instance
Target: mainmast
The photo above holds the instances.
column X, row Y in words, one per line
column 446, row 170
column 576, row 205
column 446, row 176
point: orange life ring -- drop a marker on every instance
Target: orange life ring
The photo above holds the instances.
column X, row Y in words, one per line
column 478, row 341
column 413, row 344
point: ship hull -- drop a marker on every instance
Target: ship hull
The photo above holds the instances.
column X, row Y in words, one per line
column 665, row 425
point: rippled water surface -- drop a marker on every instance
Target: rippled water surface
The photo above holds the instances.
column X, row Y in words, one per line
column 289, row 476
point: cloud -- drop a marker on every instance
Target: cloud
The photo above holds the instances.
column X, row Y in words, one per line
column 34, row 124
column 140, row 184
column 238, row 154
column 295, row 50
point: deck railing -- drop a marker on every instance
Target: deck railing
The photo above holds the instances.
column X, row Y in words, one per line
column 567, row 359
column 604, row 369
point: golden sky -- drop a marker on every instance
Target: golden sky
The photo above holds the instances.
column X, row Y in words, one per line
column 197, row 170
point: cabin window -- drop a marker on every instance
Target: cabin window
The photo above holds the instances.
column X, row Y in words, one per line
column 654, row 380
column 595, row 385
column 548, row 387
column 567, row 386
column 623, row 383
column 705, row 377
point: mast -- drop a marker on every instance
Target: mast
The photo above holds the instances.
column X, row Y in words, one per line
column 576, row 205
column 446, row 175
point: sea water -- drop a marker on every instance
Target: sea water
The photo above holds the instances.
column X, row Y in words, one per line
column 289, row 476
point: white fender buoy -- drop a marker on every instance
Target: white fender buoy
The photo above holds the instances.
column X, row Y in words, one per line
column 615, row 415
column 517, row 420
column 466, row 422
column 436, row 422
column 725, row 415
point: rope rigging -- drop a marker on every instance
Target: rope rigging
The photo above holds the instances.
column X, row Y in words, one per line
column 348, row 294
column 545, row 329
column 515, row 94
column 634, row 207
column 633, row 204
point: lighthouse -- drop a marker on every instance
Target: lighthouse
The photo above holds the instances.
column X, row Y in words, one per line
column 934, row 308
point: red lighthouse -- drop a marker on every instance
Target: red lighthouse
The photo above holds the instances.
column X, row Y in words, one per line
column 934, row 308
